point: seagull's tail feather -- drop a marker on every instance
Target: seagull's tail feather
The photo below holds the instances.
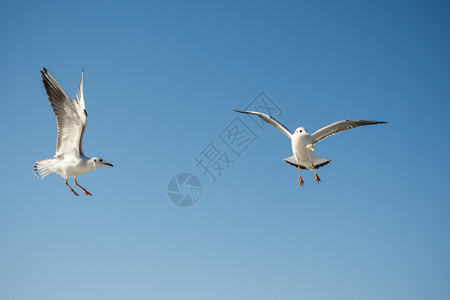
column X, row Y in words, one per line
column 44, row 167
column 293, row 162
column 318, row 162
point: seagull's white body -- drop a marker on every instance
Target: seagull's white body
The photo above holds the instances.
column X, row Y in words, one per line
column 70, row 166
column 71, row 116
column 75, row 167
column 302, row 152
column 303, row 143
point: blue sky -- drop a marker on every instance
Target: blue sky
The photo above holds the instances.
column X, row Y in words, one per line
column 161, row 82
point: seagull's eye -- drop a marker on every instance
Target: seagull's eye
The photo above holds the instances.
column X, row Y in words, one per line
column 95, row 160
column 101, row 160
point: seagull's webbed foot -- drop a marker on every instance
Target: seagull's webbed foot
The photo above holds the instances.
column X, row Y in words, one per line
column 84, row 190
column 87, row 193
column 315, row 174
column 75, row 193
column 317, row 178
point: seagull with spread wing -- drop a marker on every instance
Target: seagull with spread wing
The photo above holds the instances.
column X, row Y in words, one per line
column 303, row 143
column 71, row 117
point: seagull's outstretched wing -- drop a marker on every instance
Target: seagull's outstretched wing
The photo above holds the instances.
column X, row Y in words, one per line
column 338, row 127
column 269, row 120
column 81, row 109
column 70, row 115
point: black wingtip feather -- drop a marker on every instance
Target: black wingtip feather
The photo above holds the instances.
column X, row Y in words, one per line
column 304, row 168
column 241, row 111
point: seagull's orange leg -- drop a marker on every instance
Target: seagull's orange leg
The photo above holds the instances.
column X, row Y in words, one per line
column 84, row 190
column 300, row 175
column 71, row 188
column 317, row 177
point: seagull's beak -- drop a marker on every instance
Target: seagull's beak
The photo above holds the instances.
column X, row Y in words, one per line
column 108, row 164
column 306, row 133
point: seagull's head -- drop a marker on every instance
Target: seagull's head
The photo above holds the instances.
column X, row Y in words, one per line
column 98, row 162
column 301, row 131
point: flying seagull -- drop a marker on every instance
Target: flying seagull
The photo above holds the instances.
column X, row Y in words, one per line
column 303, row 143
column 71, row 117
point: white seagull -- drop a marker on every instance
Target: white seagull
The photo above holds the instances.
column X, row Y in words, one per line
column 71, row 117
column 303, row 143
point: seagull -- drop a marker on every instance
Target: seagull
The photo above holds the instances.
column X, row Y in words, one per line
column 71, row 117
column 303, row 143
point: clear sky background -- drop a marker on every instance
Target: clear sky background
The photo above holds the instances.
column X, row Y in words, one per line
column 161, row 82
